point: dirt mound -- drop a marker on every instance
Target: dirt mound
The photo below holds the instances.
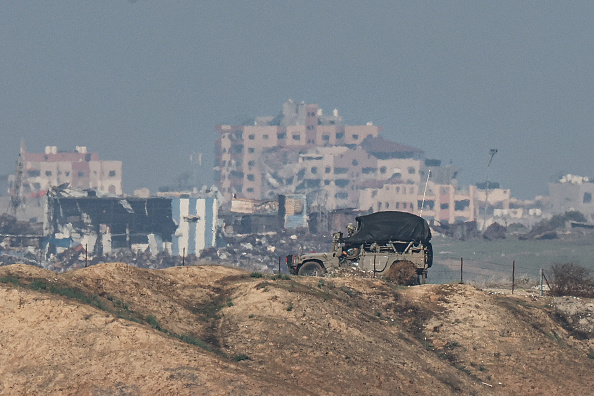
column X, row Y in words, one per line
column 113, row 328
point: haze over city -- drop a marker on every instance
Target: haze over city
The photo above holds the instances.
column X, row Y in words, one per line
column 146, row 82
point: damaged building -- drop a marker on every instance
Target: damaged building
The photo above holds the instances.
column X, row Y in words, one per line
column 196, row 218
column 303, row 151
column 103, row 224
column 250, row 216
column 340, row 167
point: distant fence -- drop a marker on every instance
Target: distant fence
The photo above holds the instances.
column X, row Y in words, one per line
column 511, row 275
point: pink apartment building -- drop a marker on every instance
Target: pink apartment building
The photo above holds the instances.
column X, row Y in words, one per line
column 78, row 168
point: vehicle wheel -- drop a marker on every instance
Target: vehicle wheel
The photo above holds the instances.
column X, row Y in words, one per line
column 403, row 273
column 311, row 269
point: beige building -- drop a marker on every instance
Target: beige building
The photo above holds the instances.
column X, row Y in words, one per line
column 252, row 160
column 392, row 194
column 572, row 193
column 338, row 166
column 79, row 169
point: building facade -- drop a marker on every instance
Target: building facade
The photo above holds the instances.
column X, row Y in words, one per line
column 196, row 219
column 249, row 157
column 338, row 166
column 302, row 151
column 79, row 169
column 572, row 193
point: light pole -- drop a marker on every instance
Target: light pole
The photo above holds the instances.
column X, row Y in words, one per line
column 492, row 152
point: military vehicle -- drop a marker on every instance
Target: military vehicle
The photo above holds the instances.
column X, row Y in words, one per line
column 391, row 244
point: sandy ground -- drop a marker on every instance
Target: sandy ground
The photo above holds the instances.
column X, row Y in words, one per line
column 115, row 329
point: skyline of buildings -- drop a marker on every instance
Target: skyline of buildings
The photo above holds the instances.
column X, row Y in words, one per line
column 335, row 165
column 339, row 166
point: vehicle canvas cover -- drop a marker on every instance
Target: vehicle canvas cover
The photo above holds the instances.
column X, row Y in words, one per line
column 383, row 227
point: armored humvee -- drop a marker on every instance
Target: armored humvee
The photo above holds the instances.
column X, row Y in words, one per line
column 381, row 243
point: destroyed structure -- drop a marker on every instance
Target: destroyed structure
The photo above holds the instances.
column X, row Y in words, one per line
column 38, row 172
column 102, row 225
column 196, row 218
column 338, row 166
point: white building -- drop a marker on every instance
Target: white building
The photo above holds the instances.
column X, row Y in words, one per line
column 196, row 219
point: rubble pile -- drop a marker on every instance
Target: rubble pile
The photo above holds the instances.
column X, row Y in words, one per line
column 261, row 252
column 10, row 255
column 76, row 257
column 494, row 232
column 253, row 252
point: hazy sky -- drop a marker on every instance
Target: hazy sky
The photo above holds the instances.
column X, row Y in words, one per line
column 145, row 82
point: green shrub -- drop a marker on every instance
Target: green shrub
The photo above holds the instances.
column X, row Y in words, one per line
column 38, row 284
column 571, row 279
column 11, row 279
column 153, row 322
column 195, row 341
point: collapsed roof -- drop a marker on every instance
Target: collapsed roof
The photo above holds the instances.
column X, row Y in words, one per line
column 129, row 216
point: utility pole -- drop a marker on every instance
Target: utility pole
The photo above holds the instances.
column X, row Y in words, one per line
column 513, row 275
column 492, row 152
column 16, row 194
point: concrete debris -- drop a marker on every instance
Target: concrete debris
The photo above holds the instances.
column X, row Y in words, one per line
column 265, row 250
column 495, row 231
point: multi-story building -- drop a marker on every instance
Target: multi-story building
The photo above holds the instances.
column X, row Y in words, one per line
column 339, row 166
column 573, row 192
column 252, row 157
column 79, row 169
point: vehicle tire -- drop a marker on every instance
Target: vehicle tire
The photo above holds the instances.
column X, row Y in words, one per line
column 311, row 268
column 403, row 273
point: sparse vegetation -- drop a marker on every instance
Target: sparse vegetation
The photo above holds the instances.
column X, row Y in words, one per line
column 570, row 279
column 447, row 352
column 59, row 289
column 256, row 275
column 10, row 279
column 153, row 322
column 240, row 357
column 263, row 285
column 348, row 291
column 209, row 310
column 195, row 341
column 396, row 320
